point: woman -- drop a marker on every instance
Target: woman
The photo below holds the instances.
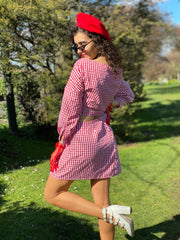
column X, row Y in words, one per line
column 90, row 150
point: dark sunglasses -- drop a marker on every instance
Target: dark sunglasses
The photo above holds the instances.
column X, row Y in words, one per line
column 81, row 48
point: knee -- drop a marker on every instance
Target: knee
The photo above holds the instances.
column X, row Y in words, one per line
column 46, row 196
column 49, row 197
column 53, row 197
column 54, row 188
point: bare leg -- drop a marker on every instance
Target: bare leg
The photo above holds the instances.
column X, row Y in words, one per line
column 56, row 193
column 100, row 192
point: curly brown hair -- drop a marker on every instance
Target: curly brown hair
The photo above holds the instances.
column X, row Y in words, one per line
column 105, row 48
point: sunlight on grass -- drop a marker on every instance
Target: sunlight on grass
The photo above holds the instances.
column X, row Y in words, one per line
column 149, row 182
column 159, row 235
column 159, row 114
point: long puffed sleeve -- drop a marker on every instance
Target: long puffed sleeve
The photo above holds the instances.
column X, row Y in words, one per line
column 125, row 94
column 71, row 106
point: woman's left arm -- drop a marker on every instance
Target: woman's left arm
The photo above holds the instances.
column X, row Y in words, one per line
column 124, row 95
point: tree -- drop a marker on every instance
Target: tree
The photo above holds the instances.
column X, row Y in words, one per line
column 34, row 35
column 131, row 28
column 165, row 64
column 37, row 47
column 9, row 93
column 37, row 50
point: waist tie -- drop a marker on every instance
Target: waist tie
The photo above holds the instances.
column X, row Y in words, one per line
column 87, row 118
column 84, row 118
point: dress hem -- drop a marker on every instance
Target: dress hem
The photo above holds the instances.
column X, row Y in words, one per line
column 81, row 178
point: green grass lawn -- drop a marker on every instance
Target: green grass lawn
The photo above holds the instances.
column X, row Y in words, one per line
column 159, row 115
column 149, row 182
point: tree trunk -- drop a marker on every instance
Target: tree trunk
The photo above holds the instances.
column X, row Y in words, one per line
column 13, row 127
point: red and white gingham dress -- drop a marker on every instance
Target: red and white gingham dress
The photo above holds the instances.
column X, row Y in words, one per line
column 91, row 151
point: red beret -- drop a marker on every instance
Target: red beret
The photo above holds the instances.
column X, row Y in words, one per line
column 92, row 24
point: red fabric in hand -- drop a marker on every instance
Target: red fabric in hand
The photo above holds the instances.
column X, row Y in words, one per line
column 55, row 156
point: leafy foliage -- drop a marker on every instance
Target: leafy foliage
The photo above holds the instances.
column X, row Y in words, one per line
column 132, row 30
column 36, row 48
column 2, row 89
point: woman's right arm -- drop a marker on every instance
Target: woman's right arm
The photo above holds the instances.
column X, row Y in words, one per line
column 71, row 106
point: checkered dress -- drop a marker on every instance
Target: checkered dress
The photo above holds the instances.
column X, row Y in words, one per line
column 91, row 151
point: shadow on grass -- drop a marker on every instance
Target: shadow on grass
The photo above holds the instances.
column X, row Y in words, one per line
column 159, row 111
column 2, row 189
column 43, row 224
column 168, row 230
column 158, row 121
column 23, row 150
